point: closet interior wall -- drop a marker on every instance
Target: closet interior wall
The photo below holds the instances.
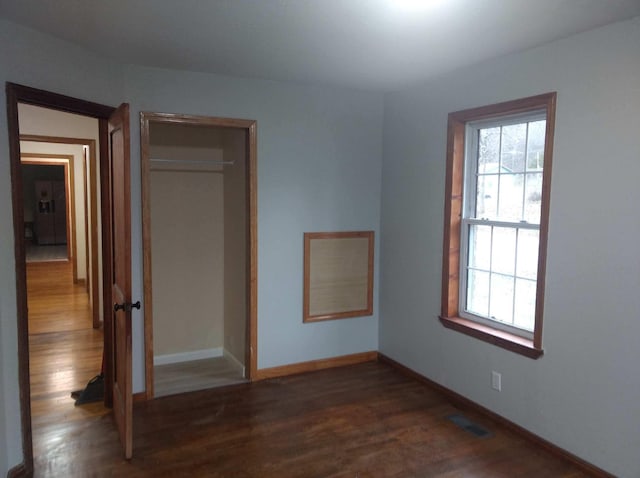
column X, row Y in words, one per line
column 198, row 242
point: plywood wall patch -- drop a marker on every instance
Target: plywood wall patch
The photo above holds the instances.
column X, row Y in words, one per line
column 338, row 275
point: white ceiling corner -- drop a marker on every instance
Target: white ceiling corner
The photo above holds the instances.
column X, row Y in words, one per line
column 365, row 44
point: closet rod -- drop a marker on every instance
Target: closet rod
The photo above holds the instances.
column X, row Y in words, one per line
column 191, row 161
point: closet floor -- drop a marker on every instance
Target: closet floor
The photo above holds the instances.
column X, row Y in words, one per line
column 203, row 374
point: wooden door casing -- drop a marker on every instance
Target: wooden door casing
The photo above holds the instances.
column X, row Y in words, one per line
column 59, row 193
column 16, row 94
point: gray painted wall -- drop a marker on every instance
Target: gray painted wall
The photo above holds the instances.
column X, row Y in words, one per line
column 4, row 458
column 31, row 58
column 319, row 166
column 319, row 169
column 584, row 393
column 319, row 163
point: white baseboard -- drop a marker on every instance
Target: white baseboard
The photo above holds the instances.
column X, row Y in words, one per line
column 234, row 361
column 188, row 356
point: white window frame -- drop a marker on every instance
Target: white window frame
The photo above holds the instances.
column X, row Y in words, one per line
column 469, row 202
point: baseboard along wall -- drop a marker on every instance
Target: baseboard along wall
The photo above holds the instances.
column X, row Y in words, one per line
column 188, row 356
column 372, row 356
column 19, row 471
column 312, row 365
column 233, row 360
column 464, row 402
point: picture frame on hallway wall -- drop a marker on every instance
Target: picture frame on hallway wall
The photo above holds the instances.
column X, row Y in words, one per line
column 338, row 275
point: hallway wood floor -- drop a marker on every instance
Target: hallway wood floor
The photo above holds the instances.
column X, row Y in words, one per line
column 360, row 421
column 65, row 352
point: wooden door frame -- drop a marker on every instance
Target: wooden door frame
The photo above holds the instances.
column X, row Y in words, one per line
column 250, row 127
column 23, row 94
column 66, row 161
column 91, row 238
column 86, row 190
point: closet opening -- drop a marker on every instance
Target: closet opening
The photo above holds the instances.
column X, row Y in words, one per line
column 199, row 237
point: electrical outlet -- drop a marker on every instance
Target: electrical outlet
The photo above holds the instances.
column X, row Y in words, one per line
column 496, row 381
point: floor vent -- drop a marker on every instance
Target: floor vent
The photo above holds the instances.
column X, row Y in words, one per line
column 464, row 423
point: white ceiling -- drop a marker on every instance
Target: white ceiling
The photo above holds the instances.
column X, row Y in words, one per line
column 367, row 44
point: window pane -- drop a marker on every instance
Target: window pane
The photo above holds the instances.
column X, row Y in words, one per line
column 501, row 298
column 514, row 140
column 503, row 256
column 525, row 306
column 527, row 254
column 487, row 196
column 510, row 202
column 479, row 247
column 533, row 197
column 491, row 274
column 535, row 145
column 488, row 149
column 478, row 293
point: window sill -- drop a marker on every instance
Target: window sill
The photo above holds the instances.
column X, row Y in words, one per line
column 499, row 338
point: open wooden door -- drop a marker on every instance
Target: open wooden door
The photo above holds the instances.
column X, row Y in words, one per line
column 121, row 274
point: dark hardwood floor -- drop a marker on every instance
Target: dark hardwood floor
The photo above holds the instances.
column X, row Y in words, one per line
column 360, row 421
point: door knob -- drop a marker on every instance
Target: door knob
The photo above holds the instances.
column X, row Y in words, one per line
column 126, row 306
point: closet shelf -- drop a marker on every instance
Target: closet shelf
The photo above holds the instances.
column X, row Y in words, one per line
column 191, row 161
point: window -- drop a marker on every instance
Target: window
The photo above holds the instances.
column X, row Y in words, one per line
column 496, row 221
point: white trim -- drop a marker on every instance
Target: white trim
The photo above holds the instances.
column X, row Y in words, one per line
column 468, row 216
column 188, row 356
column 505, row 224
column 234, row 361
column 510, row 119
